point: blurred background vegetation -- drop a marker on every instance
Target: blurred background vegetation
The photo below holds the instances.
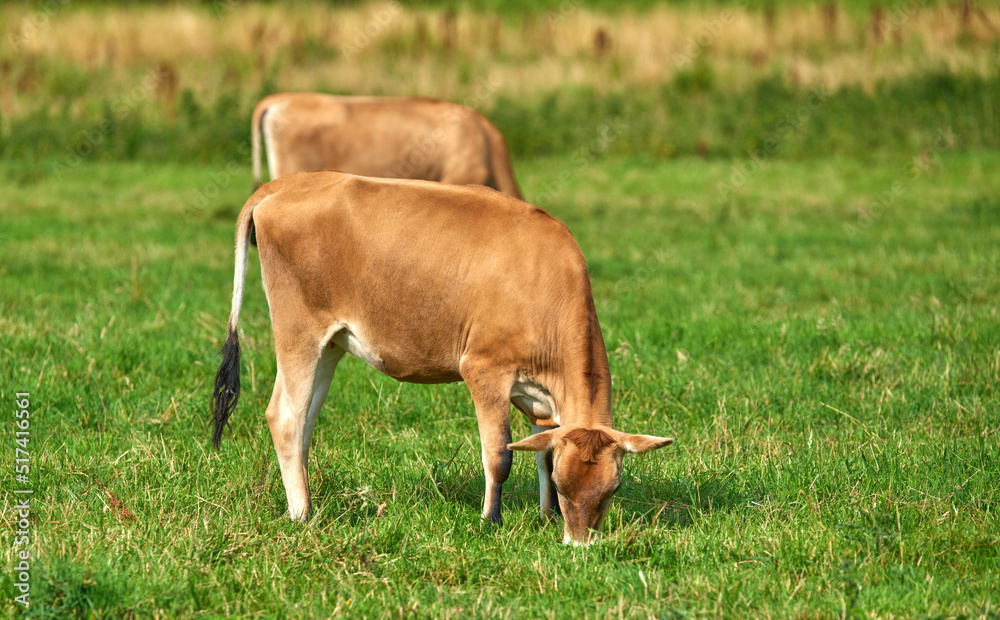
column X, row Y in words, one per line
column 177, row 81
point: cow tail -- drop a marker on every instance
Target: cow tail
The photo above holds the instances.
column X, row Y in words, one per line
column 227, row 379
column 503, row 171
column 256, row 123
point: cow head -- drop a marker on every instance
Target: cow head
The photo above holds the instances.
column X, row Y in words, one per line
column 586, row 472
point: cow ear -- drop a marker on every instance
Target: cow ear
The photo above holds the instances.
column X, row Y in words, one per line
column 640, row 444
column 541, row 442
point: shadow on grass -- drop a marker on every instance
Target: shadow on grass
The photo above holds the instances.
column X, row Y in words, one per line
column 680, row 502
column 674, row 502
column 358, row 496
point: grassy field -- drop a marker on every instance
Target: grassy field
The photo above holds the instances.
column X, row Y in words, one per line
column 178, row 81
column 828, row 364
column 791, row 215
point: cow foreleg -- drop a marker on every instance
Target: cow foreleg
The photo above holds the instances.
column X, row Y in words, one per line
column 546, row 490
column 491, row 396
column 494, row 435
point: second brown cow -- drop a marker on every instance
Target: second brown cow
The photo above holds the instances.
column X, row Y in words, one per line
column 390, row 137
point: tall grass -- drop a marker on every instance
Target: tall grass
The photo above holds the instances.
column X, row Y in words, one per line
column 386, row 48
column 69, row 59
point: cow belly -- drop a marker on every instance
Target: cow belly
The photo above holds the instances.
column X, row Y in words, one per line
column 535, row 401
column 410, row 366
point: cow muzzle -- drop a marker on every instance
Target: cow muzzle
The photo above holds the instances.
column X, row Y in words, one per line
column 582, row 530
column 588, row 539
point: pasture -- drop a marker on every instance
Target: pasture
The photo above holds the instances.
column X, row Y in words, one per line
column 833, row 396
column 816, row 324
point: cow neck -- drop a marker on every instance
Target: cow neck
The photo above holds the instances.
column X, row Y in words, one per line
column 586, row 382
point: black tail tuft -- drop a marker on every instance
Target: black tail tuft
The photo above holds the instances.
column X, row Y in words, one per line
column 227, row 385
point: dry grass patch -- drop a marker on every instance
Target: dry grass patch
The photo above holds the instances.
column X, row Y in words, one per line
column 384, row 48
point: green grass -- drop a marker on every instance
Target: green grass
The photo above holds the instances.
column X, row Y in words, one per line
column 831, row 379
column 694, row 114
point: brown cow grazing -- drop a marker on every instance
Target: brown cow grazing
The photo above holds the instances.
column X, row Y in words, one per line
column 433, row 283
column 393, row 137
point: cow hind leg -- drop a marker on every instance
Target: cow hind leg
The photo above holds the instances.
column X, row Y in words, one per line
column 321, row 386
column 299, row 392
column 491, row 395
